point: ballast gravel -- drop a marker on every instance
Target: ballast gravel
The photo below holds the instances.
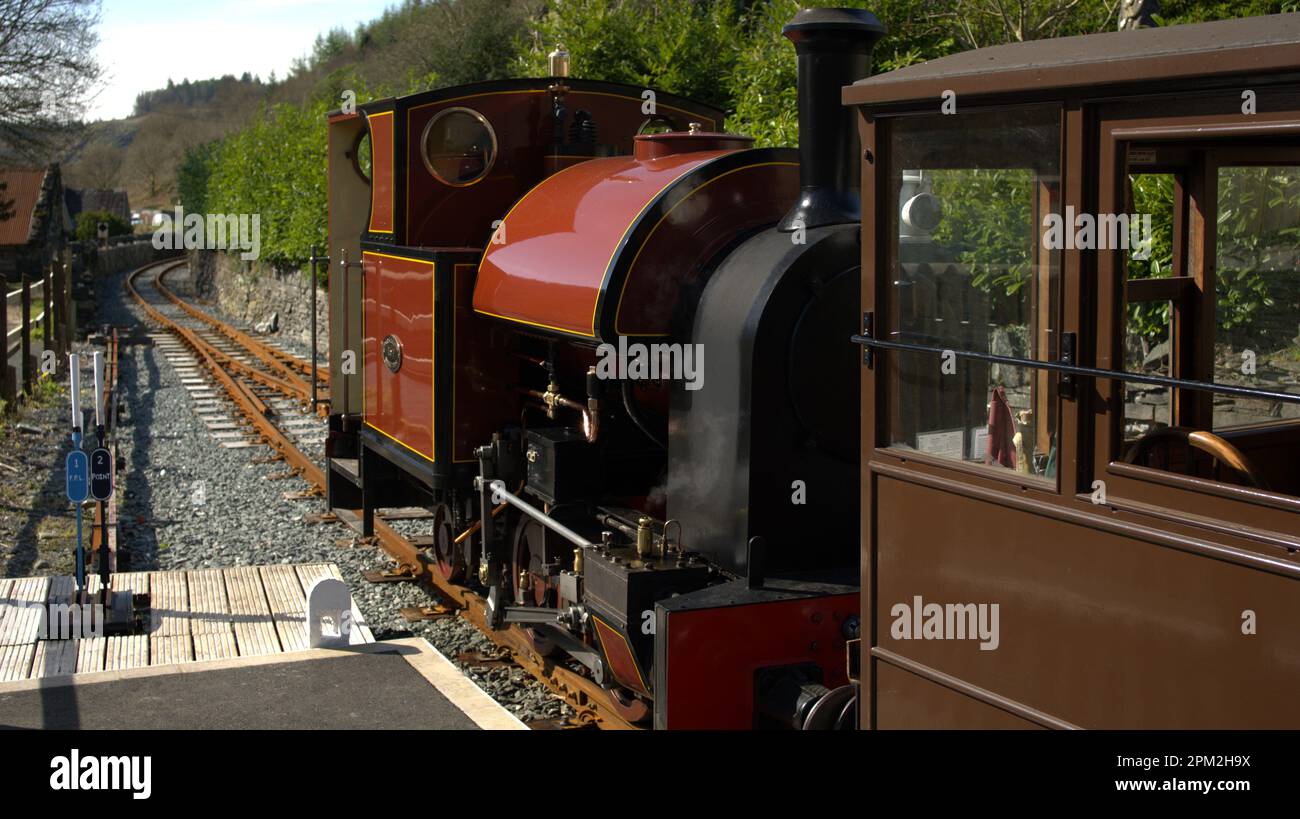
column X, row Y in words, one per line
column 189, row 502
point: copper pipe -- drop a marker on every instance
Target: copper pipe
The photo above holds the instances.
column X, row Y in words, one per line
column 478, row 524
column 590, row 413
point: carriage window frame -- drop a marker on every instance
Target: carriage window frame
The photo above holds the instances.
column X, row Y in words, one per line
column 882, row 377
column 494, row 148
column 1257, row 515
column 354, row 154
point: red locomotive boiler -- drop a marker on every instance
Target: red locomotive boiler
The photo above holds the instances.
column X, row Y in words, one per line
column 694, row 544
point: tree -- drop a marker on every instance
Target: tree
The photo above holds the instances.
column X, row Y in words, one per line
column 152, row 156
column 97, row 167
column 982, row 23
column 687, row 47
column 192, row 176
column 47, row 69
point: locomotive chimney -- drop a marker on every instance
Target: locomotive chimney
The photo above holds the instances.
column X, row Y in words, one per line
column 834, row 49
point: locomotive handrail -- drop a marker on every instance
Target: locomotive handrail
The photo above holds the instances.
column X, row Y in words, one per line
column 1075, row 369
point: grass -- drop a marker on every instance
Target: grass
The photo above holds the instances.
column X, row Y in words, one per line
column 46, row 390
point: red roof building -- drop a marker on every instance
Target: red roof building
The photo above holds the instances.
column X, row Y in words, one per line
column 33, row 218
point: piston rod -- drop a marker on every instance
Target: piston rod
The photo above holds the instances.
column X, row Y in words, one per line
column 502, row 495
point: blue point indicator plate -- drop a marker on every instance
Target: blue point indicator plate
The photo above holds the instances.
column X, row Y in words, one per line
column 78, row 470
column 101, row 474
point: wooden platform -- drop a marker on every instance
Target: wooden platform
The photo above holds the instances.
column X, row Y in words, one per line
column 194, row 616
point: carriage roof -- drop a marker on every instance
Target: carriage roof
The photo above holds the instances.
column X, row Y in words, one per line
column 1156, row 56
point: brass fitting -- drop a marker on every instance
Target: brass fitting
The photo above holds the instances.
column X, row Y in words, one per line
column 557, row 62
column 551, row 398
column 577, row 560
column 644, row 538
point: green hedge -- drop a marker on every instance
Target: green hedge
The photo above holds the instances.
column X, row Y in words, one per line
column 88, row 225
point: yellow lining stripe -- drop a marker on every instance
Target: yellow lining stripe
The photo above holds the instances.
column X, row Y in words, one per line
column 572, row 92
column 483, row 258
column 618, row 309
column 433, row 363
column 630, row 653
column 398, row 442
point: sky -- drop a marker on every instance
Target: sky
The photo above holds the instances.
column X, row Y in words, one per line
column 142, row 43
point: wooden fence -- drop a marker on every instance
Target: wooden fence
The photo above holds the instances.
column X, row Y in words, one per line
column 39, row 316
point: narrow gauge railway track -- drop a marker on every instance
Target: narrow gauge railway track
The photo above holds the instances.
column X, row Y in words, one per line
column 254, row 374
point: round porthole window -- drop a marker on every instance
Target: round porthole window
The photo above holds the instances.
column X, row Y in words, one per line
column 459, row 147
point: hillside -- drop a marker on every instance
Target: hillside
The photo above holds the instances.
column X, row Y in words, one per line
column 725, row 52
column 411, row 45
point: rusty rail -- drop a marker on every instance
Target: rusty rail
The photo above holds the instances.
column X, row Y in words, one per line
column 249, row 404
column 286, row 365
column 587, row 698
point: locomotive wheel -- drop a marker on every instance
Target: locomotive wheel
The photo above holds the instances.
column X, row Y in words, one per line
column 628, row 706
column 445, row 551
column 529, row 556
column 834, row 711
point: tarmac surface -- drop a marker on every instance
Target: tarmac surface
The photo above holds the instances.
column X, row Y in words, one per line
column 373, row 689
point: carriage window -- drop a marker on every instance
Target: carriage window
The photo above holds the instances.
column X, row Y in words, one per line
column 970, row 272
column 1247, row 336
column 1257, row 292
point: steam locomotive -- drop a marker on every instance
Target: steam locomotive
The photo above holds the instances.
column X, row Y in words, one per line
column 606, row 344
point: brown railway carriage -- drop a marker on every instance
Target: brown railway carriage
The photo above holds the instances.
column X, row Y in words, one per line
column 1106, row 448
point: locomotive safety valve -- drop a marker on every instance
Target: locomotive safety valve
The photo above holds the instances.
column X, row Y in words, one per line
column 557, row 62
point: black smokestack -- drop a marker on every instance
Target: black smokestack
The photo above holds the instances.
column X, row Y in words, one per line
column 834, row 50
